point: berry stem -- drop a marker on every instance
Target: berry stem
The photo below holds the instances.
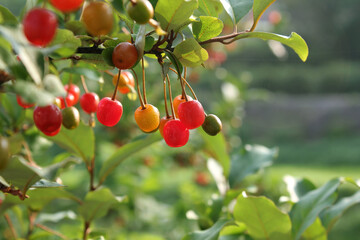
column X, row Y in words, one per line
column 183, row 92
column 138, row 90
column 143, row 80
column 187, row 84
column 165, row 98
column 84, row 84
column 170, row 96
column 117, row 84
column 11, row 226
column 110, row 73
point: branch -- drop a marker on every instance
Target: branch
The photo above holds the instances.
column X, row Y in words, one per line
column 90, row 50
column 11, row 226
column 45, row 228
column 13, row 191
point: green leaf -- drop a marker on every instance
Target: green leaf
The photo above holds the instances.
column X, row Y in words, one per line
column 140, row 41
column 67, row 44
column 97, row 204
column 107, row 56
column 315, row 232
column 38, row 198
column 190, row 53
column 332, row 214
column 76, row 27
column 207, row 28
column 56, row 217
column 294, row 41
column 124, row 152
column 207, row 7
column 149, row 43
column 172, row 14
column 97, row 61
column 20, row 173
column 259, row 8
column 249, row 161
column 216, row 148
column 208, row 234
column 43, row 183
column 52, row 84
column 305, row 212
column 233, row 230
column 262, row 218
column 6, row 17
column 297, row 188
column 50, row 172
column 16, row 142
column 178, row 66
column 32, row 93
column 79, row 141
column 237, row 9
column 30, row 56
column 87, row 72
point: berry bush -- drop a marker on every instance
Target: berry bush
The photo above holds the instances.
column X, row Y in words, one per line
column 70, row 74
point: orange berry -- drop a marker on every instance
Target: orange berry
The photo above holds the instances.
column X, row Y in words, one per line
column 98, row 18
column 163, row 121
column 126, row 80
column 176, row 102
column 148, row 119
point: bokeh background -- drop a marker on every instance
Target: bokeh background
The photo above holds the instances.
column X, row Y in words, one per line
column 264, row 95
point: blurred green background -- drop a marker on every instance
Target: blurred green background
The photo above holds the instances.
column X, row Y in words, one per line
column 264, row 95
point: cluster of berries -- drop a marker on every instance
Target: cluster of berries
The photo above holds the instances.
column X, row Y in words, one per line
column 187, row 113
column 48, row 119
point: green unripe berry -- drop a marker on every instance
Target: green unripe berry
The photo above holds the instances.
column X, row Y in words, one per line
column 212, row 125
column 141, row 11
column 4, row 152
column 70, row 117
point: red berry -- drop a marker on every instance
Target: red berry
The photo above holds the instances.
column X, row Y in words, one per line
column 109, row 111
column 70, row 100
column 66, row 5
column 47, row 119
column 23, row 104
column 124, row 55
column 191, row 114
column 40, row 26
column 175, row 133
column 74, row 90
column 89, row 102
column 51, row 134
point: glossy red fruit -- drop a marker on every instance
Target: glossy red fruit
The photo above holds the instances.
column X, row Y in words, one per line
column 74, row 90
column 40, row 26
column 191, row 114
column 51, row 134
column 23, row 104
column 67, row 5
column 70, row 100
column 177, row 101
column 109, row 111
column 124, row 55
column 89, row 102
column 47, row 119
column 175, row 133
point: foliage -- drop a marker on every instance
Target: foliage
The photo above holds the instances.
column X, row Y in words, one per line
column 178, row 35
